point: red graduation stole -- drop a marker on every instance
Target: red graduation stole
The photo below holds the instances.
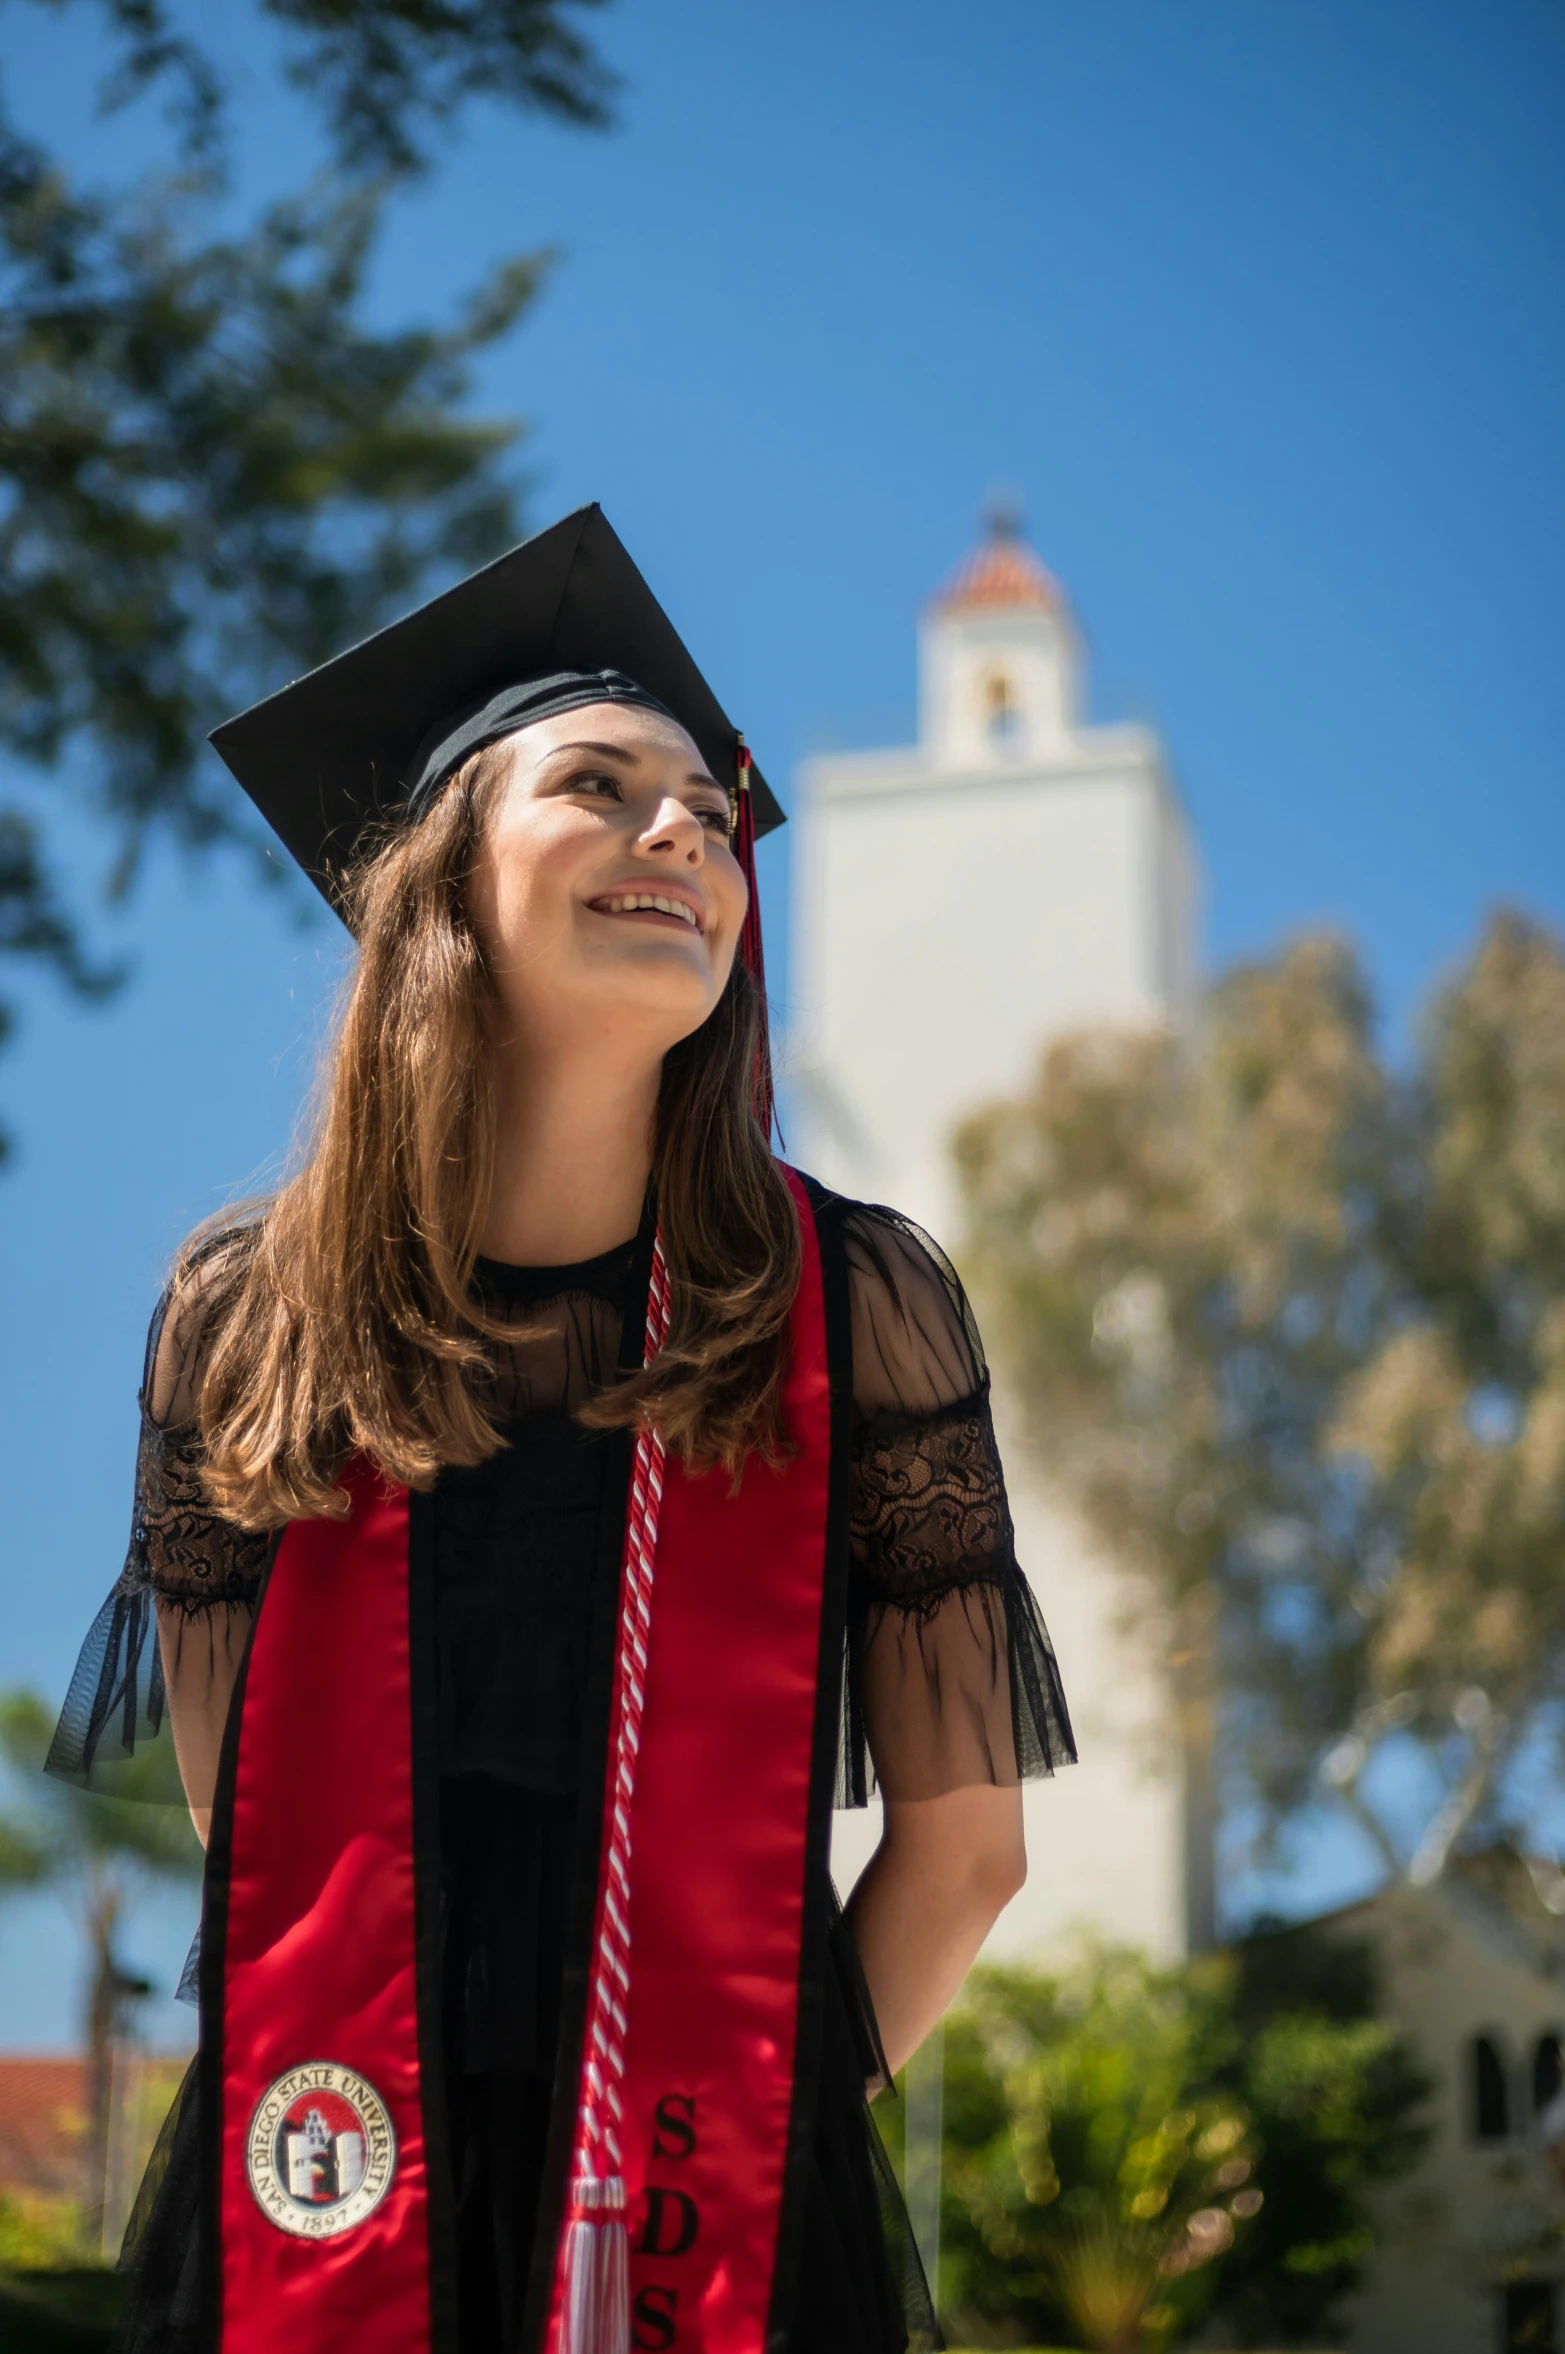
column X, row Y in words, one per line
column 326, row 2223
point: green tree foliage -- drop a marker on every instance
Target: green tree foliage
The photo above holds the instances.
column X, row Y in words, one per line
column 213, row 471
column 1289, row 1327
column 94, row 1854
column 1130, row 2151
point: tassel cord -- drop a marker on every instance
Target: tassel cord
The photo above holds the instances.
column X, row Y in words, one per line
column 750, row 940
column 595, row 2299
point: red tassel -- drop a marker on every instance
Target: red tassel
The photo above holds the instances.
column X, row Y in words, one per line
column 764, row 1097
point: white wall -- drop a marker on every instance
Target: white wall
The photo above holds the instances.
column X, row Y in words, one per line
column 948, row 924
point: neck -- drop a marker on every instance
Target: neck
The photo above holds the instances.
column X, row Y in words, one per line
column 573, row 1152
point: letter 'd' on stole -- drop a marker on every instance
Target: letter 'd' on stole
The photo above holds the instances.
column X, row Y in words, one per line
column 671, row 2224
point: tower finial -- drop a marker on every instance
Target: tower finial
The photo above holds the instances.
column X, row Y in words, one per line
column 1003, row 517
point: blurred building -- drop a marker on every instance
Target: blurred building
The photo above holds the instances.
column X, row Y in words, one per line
column 47, row 2174
column 43, row 2126
column 1471, row 2254
column 1015, row 873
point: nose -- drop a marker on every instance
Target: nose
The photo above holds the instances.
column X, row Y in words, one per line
column 675, row 832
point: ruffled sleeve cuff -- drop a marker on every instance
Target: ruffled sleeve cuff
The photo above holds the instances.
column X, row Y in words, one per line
column 196, row 1571
column 116, row 1705
column 956, row 1690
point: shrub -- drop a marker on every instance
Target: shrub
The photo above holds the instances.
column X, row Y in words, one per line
column 1130, row 2151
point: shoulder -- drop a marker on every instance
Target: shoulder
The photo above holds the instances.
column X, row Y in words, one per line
column 189, row 1316
column 915, row 1343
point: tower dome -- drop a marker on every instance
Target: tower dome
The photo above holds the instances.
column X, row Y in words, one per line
column 1002, row 573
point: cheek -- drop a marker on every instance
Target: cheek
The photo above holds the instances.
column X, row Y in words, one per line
column 726, row 955
column 732, row 901
column 531, row 863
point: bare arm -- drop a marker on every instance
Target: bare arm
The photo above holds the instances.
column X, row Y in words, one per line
column 943, row 1872
column 952, row 1685
column 201, row 1656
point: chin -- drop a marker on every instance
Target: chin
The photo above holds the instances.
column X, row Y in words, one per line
column 647, row 986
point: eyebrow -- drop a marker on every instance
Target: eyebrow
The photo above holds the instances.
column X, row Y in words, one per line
column 696, row 776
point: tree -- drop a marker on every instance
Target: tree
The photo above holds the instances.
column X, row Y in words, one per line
column 213, row 473
column 1289, row 1327
column 1132, row 2151
column 94, row 1853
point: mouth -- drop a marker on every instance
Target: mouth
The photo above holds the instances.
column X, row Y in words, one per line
column 669, row 909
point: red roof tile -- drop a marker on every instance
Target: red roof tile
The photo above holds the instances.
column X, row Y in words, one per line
column 43, row 2124
column 1004, row 571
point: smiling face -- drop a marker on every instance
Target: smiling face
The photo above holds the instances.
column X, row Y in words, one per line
column 605, row 893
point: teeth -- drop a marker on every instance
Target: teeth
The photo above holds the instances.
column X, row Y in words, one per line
column 628, row 903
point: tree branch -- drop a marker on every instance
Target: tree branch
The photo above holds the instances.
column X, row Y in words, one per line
column 1344, row 1784
column 1490, row 1746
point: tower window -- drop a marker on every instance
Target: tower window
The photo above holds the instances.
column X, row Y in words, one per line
column 1491, row 2094
column 1548, row 2073
column 1002, row 717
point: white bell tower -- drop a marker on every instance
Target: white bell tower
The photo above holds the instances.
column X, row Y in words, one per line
column 1014, row 874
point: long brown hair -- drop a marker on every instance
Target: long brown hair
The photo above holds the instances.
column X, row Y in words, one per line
column 336, row 1318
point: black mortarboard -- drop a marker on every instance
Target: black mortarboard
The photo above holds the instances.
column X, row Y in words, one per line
column 355, row 740
column 564, row 619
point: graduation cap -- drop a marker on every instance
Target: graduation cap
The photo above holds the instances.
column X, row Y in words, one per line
column 564, row 619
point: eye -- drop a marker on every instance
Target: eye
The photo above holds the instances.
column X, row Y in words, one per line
column 715, row 820
column 601, row 782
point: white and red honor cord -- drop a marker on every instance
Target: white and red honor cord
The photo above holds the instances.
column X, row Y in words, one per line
column 596, row 2312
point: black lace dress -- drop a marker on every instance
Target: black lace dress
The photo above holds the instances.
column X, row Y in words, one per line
column 949, row 1681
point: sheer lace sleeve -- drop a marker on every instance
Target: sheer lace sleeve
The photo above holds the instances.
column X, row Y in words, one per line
column 175, row 1621
column 951, row 1679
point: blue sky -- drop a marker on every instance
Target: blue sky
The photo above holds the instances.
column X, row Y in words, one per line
column 1259, row 307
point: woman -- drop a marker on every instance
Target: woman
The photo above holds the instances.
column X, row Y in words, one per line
column 544, row 1500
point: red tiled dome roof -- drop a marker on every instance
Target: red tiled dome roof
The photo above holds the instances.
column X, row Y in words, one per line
column 1004, row 571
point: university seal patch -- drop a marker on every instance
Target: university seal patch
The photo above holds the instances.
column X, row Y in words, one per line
column 321, row 2151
